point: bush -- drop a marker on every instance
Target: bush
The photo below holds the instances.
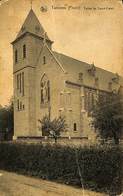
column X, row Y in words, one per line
column 100, row 166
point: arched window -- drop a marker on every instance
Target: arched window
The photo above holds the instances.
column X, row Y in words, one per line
column 80, row 76
column 110, row 85
column 45, row 90
column 44, row 60
column 16, row 56
column 96, row 82
column 18, row 105
column 74, row 127
column 24, row 51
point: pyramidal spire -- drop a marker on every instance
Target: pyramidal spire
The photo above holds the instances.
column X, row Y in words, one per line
column 33, row 26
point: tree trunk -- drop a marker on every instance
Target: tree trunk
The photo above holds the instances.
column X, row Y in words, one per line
column 116, row 138
column 55, row 140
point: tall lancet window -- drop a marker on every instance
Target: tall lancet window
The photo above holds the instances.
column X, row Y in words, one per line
column 24, row 51
column 44, row 60
column 45, row 90
column 16, row 56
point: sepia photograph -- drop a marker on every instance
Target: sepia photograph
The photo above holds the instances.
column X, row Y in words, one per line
column 61, row 97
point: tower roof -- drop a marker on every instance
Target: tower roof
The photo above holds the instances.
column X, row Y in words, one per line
column 33, row 26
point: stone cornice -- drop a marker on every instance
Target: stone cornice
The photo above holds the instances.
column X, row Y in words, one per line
column 29, row 33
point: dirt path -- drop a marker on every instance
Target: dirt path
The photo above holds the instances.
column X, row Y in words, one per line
column 12, row 184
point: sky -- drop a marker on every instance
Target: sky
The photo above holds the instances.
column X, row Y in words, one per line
column 88, row 30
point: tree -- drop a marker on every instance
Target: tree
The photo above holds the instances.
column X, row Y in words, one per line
column 7, row 119
column 53, row 127
column 107, row 116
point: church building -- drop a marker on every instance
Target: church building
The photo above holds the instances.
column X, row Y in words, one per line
column 50, row 83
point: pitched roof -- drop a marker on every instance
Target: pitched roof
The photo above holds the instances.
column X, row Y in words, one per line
column 32, row 25
column 68, row 61
column 74, row 67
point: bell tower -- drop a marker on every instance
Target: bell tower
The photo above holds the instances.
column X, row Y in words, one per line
column 26, row 50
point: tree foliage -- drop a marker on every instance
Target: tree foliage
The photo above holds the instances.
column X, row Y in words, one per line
column 107, row 116
column 53, row 127
column 7, row 118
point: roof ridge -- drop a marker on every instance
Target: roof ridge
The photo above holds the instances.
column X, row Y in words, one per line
column 71, row 57
column 87, row 63
column 52, row 52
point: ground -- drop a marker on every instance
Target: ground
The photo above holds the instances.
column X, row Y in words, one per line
column 12, row 184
